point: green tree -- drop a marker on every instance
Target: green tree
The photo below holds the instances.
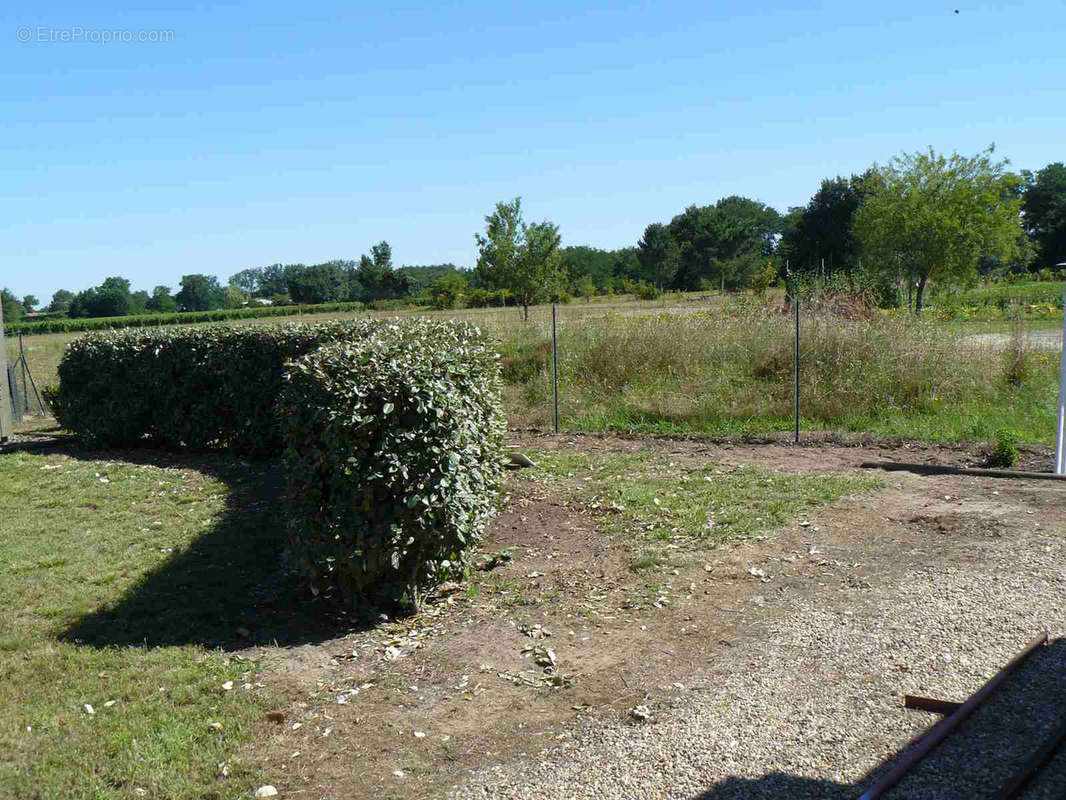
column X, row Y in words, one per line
column 12, row 308
column 139, row 302
column 200, row 293
column 930, row 217
column 319, row 283
column 61, row 300
column 110, row 299
column 247, row 280
column 724, row 244
column 524, row 259
column 1044, row 206
column 376, row 279
column 659, row 255
column 161, row 301
column 29, row 303
column 235, row 297
column 823, row 230
column 447, row 291
column 585, row 287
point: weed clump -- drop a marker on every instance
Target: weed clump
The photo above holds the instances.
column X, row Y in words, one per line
column 1004, row 450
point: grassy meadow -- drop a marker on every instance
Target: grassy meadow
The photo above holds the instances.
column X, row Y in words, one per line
column 705, row 363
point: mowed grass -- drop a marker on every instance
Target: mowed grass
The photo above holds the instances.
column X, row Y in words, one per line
column 118, row 715
column 704, row 504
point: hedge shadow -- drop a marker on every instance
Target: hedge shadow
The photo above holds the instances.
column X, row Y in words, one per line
column 231, row 587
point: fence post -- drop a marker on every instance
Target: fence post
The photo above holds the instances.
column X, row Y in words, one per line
column 555, row 371
column 797, row 386
column 1060, row 435
column 5, row 401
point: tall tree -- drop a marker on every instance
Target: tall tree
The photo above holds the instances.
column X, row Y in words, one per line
column 161, row 301
column 200, row 293
column 822, row 231
column 12, row 309
column 659, row 255
column 1044, row 206
column 524, row 259
column 930, row 217
column 376, row 279
column 110, row 299
column 319, row 283
column 725, row 243
column 61, row 300
column 247, row 280
column 29, row 303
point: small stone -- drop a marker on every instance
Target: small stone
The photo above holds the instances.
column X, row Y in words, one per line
column 89, row 709
column 265, row 791
column 227, row 686
column 640, row 713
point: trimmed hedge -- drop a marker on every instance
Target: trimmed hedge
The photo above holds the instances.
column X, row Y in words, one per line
column 391, row 431
column 181, row 388
column 393, row 457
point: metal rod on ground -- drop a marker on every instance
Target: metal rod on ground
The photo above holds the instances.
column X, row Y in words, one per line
column 797, row 390
column 1060, row 435
column 5, row 401
column 944, row 469
column 555, row 371
column 935, row 735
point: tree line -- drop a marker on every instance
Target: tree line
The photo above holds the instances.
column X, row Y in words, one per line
column 920, row 218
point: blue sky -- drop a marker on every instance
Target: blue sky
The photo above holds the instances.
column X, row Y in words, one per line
column 265, row 132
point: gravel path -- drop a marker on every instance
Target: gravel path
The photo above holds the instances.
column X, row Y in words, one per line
column 809, row 703
column 1041, row 340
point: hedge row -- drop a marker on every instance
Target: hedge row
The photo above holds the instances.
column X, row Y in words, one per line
column 391, row 431
column 392, row 456
column 185, row 387
column 86, row 324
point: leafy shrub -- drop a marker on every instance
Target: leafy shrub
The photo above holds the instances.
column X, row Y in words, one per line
column 641, row 290
column 186, row 387
column 393, row 457
column 485, row 298
column 1004, row 451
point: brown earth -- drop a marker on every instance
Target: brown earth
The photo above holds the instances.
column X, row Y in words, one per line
column 406, row 709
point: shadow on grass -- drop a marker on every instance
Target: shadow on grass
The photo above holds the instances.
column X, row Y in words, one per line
column 231, row 587
column 980, row 759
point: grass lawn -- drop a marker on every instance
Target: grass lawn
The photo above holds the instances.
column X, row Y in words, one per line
column 680, row 506
column 122, row 586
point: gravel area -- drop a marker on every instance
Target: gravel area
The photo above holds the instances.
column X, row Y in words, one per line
column 809, row 702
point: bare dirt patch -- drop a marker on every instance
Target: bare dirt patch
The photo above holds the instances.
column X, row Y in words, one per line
column 411, row 707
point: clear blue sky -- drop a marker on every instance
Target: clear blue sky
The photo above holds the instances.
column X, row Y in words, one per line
column 266, row 132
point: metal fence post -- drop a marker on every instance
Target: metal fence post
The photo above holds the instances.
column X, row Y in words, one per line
column 555, row 370
column 1060, row 435
column 797, row 387
column 5, row 401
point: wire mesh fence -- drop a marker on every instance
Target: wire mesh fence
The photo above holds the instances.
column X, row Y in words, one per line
column 23, row 391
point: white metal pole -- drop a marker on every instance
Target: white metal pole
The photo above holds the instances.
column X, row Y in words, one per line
column 1060, row 433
